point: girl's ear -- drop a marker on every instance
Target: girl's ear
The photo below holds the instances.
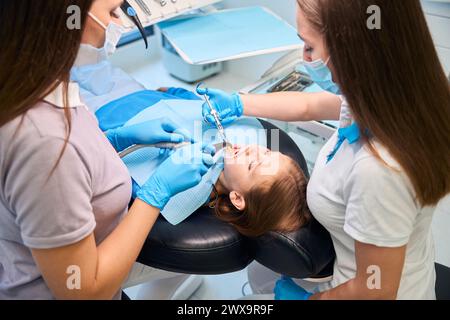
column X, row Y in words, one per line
column 237, row 200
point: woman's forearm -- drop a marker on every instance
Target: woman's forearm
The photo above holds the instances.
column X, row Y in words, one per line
column 355, row 290
column 101, row 269
column 119, row 251
column 292, row 106
column 381, row 284
column 284, row 106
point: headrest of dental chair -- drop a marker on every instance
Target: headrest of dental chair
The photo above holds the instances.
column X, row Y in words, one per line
column 203, row 244
column 306, row 253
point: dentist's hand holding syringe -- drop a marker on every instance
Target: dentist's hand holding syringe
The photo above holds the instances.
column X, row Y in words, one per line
column 282, row 106
column 229, row 107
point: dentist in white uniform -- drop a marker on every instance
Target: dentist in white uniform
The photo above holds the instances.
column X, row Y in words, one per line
column 378, row 179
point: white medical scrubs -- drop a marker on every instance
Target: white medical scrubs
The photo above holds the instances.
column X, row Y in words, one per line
column 357, row 197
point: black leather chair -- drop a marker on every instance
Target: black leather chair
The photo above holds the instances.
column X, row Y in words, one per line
column 205, row 245
column 442, row 282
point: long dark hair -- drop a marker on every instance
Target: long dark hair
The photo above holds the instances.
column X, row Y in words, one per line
column 394, row 83
column 38, row 51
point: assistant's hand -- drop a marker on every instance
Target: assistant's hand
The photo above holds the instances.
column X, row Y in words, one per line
column 287, row 289
column 229, row 107
column 150, row 132
column 184, row 169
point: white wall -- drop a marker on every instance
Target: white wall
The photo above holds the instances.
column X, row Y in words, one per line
column 283, row 8
column 438, row 17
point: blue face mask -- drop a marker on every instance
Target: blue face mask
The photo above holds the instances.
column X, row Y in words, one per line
column 321, row 74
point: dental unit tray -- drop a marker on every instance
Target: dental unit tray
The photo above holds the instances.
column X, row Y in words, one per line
column 184, row 71
column 248, row 31
column 282, row 76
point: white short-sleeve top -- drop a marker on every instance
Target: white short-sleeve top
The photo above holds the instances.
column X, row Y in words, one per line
column 357, row 197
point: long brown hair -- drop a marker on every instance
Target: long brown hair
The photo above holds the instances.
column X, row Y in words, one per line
column 394, row 84
column 278, row 204
column 38, row 51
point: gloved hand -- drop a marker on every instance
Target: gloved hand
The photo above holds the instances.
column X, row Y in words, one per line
column 184, row 169
column 287, row 289
column 150, row 132
column 229, row 107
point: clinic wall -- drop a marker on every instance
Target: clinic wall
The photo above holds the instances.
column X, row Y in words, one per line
column 437, row 14
column 283, row 8
column 438, row 18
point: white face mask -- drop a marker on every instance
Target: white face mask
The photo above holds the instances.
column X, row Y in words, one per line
column 113, row 33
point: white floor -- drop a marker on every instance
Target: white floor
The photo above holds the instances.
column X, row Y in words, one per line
column 218, row 287
column 223, row 287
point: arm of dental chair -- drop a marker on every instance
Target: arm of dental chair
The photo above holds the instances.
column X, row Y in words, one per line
column 202, row 244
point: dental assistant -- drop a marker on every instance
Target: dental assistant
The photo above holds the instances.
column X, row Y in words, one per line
column 65, row 228
column 378, row 179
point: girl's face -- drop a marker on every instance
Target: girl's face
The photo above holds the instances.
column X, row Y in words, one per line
column 105, row 11
column 314, row 48
column 248, row 166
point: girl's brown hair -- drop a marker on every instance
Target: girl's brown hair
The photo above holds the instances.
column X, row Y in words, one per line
column 278, row 204
column 38, row 51
column 394, row 84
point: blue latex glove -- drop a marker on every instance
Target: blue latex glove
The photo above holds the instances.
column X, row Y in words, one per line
column 229, row 107
column 151, row 132
column 287, row 289
column 134, row 188
column 184, row 169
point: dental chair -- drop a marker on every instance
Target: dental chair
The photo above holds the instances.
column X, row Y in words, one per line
column 442, row 282
column 204, row 245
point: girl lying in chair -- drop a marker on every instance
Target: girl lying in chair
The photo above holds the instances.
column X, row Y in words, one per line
column 254, row 189
column 255, row 202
